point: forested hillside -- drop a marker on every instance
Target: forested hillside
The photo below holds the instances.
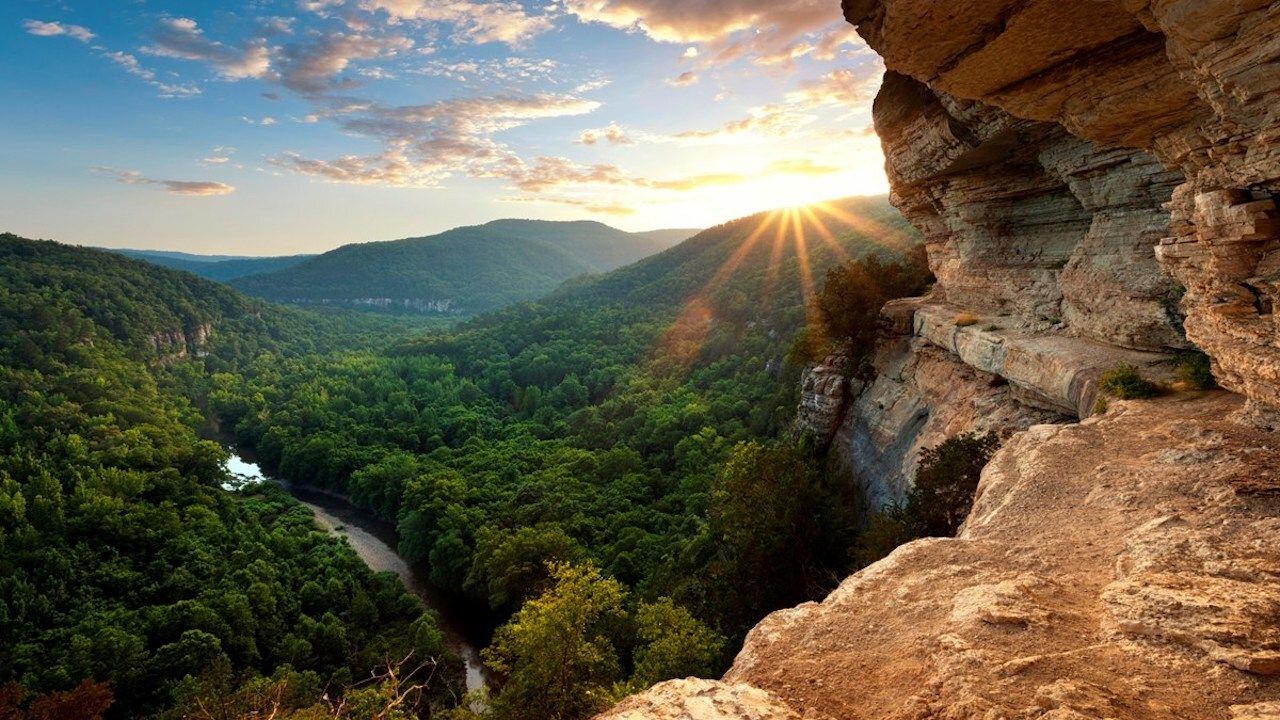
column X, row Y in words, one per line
column 216, row 267
column 460, row 272
column 614, row 459
column 626, row 425
column 130, row 581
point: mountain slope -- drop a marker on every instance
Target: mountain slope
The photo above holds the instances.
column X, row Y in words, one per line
column 125, row 565
column 465, row 270
column 215, row 267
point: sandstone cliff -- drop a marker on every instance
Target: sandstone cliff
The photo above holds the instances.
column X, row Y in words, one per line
column 1123, row 567
column 1097, row 184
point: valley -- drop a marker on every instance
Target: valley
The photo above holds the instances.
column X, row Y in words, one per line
column 990, row 437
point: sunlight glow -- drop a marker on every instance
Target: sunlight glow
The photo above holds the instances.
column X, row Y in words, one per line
column 681, row 343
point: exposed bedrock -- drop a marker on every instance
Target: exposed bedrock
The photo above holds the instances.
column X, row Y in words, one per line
column 1010, row 125
column 1126, row 567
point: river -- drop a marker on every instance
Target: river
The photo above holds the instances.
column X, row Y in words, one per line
column 375, row 541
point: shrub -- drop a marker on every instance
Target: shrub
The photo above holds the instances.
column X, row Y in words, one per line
column 937, row 503
column 1195, row 370
column 1126, row 383
column 946, row 481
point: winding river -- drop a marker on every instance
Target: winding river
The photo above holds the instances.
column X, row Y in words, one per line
column 375, row 541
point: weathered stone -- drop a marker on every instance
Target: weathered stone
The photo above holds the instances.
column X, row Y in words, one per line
column 1194, row 84
column 824, row 395
column 1121, row 568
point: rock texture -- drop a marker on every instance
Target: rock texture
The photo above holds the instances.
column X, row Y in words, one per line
column 1125, row 567
column 1097, row 90
column 1097, row 182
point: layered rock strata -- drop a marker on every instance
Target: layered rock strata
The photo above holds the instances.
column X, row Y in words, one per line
column 1192, row 84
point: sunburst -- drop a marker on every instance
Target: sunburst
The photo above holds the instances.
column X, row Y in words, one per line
column 684, row 339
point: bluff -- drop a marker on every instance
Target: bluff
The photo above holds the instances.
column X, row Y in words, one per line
column 1097, row 184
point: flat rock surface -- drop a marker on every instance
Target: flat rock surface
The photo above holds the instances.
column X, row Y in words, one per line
column 1124, row 567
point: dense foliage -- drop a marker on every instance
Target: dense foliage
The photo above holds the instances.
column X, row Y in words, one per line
column 599, row 427
column 607, row 472
column 122, row 560
column 464, row 271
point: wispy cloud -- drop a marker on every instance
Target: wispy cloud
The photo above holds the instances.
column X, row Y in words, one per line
column 613, row 134
column 731, row 28
column 310, row 67
column 54, row 29
column 193, row 188
column 684, row 79
column 478, row 21
column 182, row 38
column 130, row 64
column 425, row 144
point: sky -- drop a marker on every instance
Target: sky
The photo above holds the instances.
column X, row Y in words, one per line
column 272, row 127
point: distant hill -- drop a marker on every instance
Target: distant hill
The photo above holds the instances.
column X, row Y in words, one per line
column 463, row 271
column 215, row 267
column 758, row 262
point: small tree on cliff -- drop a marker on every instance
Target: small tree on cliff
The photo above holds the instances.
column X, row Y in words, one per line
column 849, row 304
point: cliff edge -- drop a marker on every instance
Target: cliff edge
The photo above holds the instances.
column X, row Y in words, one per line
column 1097, row 185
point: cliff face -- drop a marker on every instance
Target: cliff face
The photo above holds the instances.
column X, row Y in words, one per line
column 1151, row 122
column 1097, row 184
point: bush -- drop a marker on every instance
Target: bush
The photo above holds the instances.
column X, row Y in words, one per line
column 1126, row 383
column 946, row 481
column 1195, row 370
column 937, row 503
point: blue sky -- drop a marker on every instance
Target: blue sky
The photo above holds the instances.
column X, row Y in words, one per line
column 281, row 126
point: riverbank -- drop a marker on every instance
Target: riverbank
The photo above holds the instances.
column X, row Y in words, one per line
column 374, row 541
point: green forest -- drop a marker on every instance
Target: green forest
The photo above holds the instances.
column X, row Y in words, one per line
column 608, row 476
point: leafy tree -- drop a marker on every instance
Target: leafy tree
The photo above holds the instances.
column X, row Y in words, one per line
column 672, row 644
column 557, row 655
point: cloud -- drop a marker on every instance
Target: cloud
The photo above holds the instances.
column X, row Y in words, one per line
column 192, row 188
column 182, row 38
column 425, row 144
column 53, row 29
column 481, row 21
column 613, row 134
column 770, row 25
column 846, row 86
column 592, row 206
column 801, row 166
column 130, row 64
column 308, row 68
column 684, row 79
column 506, row 70
column 265, row 121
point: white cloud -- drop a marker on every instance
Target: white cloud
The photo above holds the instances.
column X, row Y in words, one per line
column 425, row 144
column 53, row 29
column 182, row 38
column 731, row 27
column 613, row 134
column 476, row 21
column 309, row 68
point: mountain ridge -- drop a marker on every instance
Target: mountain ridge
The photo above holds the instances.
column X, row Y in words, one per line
column 465, row 270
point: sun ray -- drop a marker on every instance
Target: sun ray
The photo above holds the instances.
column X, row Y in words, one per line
column 683, row 339
column 801, row 242
column 775, row 257
column 877, row 232
column 827, row 237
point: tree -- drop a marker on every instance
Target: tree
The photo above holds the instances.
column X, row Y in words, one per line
column 946, row 481
column 672, row 644
column 557, row 655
